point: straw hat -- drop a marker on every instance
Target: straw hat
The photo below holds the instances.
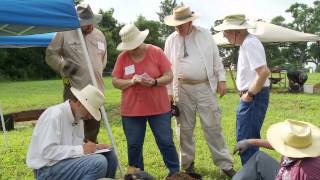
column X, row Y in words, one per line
column 295, row 139
column 181, row 14
column 86, row 16
column 131, row 37
column 91, row 98
column 234, row 22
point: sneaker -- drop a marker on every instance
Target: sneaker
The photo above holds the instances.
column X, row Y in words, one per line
column 230, row 173
column 190, row 169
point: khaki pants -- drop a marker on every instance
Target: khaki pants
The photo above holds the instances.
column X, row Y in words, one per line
column 91, row 126
column 199, row 98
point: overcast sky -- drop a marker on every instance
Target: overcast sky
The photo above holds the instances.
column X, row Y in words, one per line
column 210, row 10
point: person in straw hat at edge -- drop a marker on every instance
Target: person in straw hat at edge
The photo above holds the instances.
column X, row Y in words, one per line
column 65, row 56
column 299, row 144
column 57, row 150
column 142, row 72
column 252, row 79
column 198, row 75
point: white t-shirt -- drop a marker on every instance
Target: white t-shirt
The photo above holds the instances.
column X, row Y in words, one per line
column 251, row 57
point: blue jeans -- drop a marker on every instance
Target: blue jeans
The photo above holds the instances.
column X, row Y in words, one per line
column 135, row 128
column 89, row 167
column 250, row 117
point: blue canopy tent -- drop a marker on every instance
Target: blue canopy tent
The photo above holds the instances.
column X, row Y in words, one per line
column 36, row 40
column 21, row 17
column 27, row 17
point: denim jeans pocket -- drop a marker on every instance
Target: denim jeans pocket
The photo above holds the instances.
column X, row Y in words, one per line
column 244, row 106
column 245, row 102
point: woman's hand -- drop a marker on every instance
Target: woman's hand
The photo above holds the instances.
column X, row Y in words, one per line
column 148, row 82
column 136, row 79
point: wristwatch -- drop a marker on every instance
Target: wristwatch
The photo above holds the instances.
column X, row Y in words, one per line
column 250, row 94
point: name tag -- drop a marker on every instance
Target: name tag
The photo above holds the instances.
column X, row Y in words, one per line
column 101, row 46
column 129, row 70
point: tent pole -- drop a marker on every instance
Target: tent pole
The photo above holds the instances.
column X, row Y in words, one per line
column 3, row 127
column 102, row 110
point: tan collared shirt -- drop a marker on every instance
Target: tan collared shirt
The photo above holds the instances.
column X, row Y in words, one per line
column 66, row 47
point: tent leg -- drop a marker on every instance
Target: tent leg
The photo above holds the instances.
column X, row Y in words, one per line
column 3, row 127
column 232, row 77
column 103, row 112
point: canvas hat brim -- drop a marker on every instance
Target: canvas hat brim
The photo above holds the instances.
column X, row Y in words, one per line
column 223, row 26
column 95, row 20
column 135, row 42
column 274, row 138
column 171, row 21
column 81, row 97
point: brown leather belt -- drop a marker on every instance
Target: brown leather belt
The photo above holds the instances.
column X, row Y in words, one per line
column 191, row 82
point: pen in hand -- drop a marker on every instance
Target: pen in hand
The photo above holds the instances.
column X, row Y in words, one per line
column 89, row 147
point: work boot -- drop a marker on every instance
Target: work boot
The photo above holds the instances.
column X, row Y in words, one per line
column 230, row 173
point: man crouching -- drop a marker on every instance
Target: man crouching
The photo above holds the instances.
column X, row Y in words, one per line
column 57, row 150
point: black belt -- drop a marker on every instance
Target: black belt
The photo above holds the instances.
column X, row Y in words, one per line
column 242, row 92
column 245, row 91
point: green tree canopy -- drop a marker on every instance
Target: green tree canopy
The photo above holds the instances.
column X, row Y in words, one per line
column 166, row 8
column 110, row 27
column 305, row 19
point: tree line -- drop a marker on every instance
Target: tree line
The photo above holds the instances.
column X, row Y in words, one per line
column 29, row 63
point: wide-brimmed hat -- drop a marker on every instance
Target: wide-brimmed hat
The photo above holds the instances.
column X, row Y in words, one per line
column 181, row 14
column 131, row 37
column 86, row 16
column 295, row 139
column 91, row 98
column 234, row 22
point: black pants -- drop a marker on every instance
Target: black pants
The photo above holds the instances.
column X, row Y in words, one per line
column 91, row 126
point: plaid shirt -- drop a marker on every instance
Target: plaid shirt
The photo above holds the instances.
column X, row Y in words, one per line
column 299, row 169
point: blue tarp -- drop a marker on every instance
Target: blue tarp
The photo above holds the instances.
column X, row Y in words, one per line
column 37, row 40
column 23, row 17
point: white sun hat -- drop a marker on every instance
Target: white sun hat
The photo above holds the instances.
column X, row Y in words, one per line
column 295, row 139
column 131, row 37
column 234, row 22
column 91, row 98
column 181, row 14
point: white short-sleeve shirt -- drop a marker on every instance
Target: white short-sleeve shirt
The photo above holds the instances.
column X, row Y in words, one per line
column 251, row 57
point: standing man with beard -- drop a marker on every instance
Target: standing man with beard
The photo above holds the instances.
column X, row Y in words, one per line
column 65, row 56
column 57, row 150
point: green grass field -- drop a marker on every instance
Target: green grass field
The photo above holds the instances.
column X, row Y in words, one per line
column 19, row 96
